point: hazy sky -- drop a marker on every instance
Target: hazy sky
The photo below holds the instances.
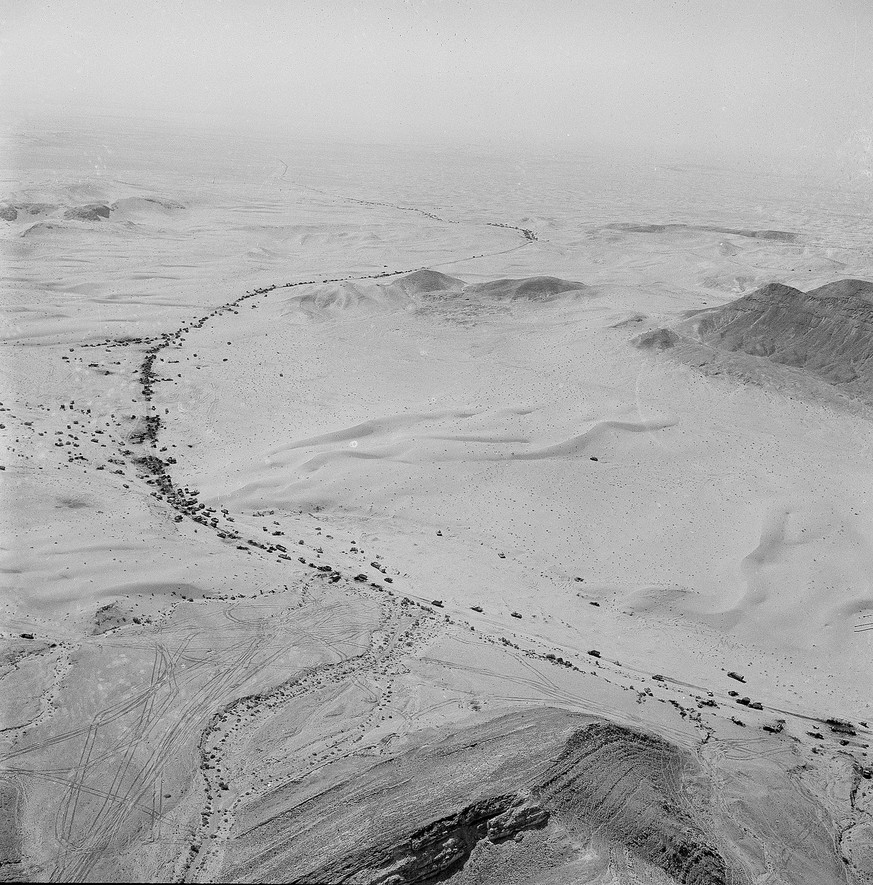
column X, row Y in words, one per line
column 742, row 75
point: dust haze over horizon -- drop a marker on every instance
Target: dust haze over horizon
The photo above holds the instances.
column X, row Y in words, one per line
column 786, row 80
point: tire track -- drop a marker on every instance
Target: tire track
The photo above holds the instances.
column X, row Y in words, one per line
column 109, row 820
column 138, row 795
column 222, row 741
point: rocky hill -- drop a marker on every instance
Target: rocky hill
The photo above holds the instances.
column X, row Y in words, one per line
column 827, row 331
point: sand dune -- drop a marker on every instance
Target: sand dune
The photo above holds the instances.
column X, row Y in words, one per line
column 287, row 475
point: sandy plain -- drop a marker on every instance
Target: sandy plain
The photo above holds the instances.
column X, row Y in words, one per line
column 333, row 552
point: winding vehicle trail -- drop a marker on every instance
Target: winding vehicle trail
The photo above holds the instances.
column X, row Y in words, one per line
column 529, row 235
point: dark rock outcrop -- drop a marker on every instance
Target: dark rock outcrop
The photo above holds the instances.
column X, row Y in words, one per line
column 437, row 850
column 657, row 339
column 92, row 212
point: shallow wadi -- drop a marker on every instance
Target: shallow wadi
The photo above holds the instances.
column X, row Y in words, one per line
column 393, row 534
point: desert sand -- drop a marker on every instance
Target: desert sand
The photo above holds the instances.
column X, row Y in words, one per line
column 386, row 515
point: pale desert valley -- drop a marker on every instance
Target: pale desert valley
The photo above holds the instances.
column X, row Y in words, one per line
column 393, row 515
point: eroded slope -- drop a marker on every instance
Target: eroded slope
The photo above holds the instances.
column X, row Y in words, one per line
column 827, row 332
column 544, row 795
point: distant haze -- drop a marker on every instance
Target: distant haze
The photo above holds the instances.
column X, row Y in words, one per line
column 789, row 78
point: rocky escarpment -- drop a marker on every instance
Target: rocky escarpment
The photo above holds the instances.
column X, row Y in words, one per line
column 507, row 786
column 636, row 228
column 826, row 332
